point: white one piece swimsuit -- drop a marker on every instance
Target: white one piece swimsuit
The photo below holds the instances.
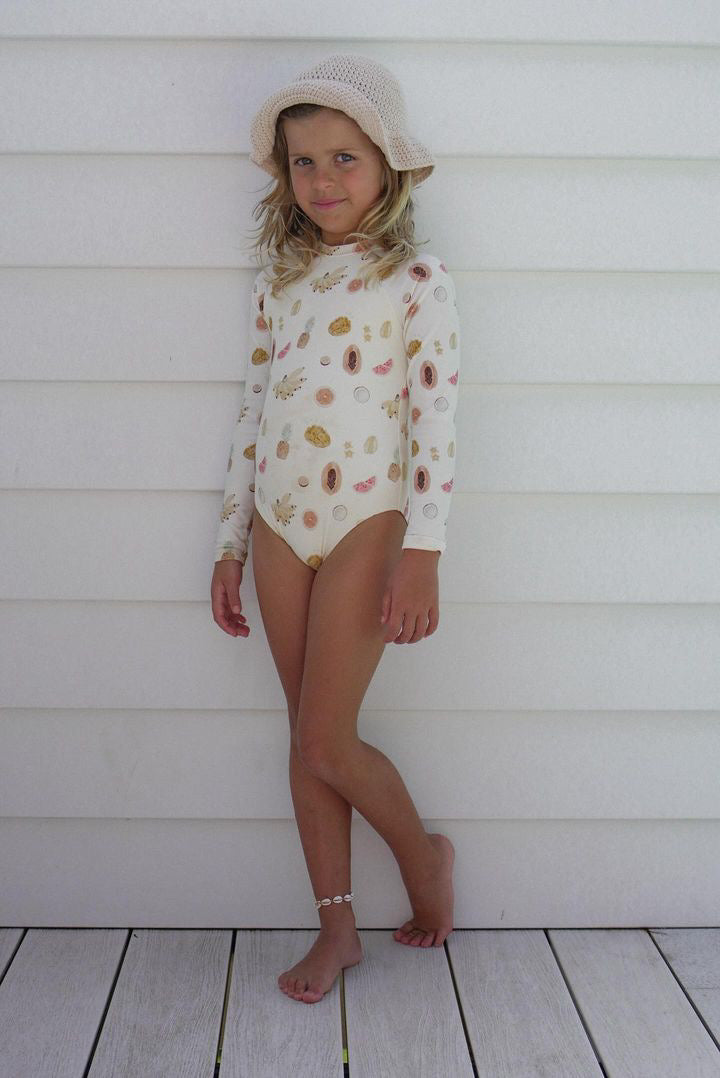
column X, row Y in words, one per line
column 349, row 406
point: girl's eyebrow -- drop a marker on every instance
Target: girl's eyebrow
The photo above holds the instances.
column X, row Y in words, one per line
column 299, row 153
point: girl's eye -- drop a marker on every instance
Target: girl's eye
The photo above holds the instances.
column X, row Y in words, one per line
column 341, row 154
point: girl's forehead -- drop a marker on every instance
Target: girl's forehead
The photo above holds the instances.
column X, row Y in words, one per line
column 329, row 137
column 321, row 121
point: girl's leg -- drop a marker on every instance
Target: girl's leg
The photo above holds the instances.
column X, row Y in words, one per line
column 344, row 644
column 283, row 585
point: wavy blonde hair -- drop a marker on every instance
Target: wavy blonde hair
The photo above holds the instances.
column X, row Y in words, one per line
column 291, row 240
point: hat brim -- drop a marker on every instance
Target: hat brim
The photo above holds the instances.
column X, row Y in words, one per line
column 401, row 150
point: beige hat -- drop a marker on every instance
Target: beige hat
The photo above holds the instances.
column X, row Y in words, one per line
column 363, row 89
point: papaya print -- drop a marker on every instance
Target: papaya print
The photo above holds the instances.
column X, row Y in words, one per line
column 363, row 423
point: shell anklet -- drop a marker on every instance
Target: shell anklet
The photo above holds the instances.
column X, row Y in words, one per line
column 328, row 901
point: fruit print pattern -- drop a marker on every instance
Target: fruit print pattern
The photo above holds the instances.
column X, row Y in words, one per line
column 361, row 417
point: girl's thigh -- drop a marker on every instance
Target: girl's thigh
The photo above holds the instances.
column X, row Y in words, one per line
column 345, row 639
column 283, row 584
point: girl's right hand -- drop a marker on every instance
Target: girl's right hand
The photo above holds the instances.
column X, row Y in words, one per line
column 225, row 597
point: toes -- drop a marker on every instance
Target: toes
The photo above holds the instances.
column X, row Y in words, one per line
column 410, row 934
column 403, row 933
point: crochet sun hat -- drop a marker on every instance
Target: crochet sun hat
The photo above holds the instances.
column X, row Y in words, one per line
column 365, row 91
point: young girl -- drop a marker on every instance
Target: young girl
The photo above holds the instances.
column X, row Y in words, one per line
column 342, row 464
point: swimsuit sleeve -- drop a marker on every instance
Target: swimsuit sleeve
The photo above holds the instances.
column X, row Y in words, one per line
column 432, row 340
column 239, row 497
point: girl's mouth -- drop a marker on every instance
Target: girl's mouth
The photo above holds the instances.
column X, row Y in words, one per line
column 328, row 205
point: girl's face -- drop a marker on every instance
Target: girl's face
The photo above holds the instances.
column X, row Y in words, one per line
column 330, row 158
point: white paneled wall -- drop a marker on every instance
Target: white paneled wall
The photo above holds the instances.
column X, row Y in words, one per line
column 563, row 723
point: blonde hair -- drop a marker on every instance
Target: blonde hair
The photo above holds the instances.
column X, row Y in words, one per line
column 292, row 240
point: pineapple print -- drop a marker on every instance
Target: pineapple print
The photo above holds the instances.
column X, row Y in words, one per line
column 283, row 446
column 305, row 335
column 394, row 471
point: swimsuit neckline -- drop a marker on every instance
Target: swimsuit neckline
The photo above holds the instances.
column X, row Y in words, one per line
column 342, row 249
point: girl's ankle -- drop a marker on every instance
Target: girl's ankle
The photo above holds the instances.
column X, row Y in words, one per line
column 340, row 924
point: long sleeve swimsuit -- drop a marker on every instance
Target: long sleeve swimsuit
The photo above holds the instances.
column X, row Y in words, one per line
column 349, row 406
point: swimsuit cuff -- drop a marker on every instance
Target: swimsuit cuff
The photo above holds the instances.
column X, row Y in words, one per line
column 422, row 542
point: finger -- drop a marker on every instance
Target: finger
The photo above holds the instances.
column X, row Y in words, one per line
column 409, row 633
column 388, row 617
column 420, row 629
column 233, row 601
column 433, row 620
column 395, row 626
column 229, row 622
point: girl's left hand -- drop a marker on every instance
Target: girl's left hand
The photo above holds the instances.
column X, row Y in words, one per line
column 410, row 606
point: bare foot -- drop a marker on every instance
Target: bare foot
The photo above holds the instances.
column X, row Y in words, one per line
column 431, row 901
column 314, row 975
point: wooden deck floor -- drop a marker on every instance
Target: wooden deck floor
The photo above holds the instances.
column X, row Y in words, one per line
column 508, row 1003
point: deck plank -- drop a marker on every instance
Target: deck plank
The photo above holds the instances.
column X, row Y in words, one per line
column 636, row 1013
column 401, row 1012
column 9, row 939
column 164, row 1016
column 269, row 1034
column 52, row 999
column 521, row 1019
column 694, row 957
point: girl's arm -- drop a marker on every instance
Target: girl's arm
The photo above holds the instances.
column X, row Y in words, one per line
column 432, row 341
column 232, row 535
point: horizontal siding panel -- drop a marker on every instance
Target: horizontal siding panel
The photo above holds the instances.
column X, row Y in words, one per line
column 563, row 548
column 524, row 20
column 460, row 765
column 125, row 325
column 204, row 874
column 199, row 97
column 510, row 656
column 190, row 325
column 517, row 213
column 609, row 439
